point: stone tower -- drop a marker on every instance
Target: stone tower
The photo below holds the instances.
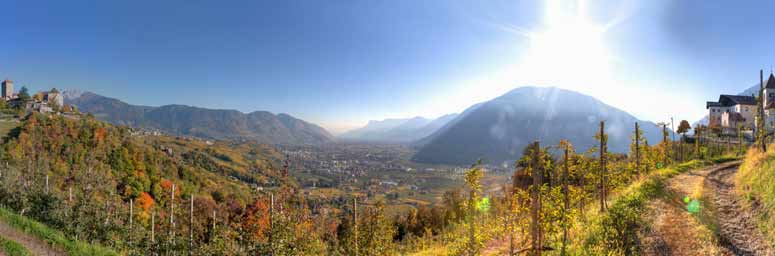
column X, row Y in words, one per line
column 7, row 90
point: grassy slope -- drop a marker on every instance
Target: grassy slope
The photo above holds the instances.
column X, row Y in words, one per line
column 51, row 236
column 755, row 181
column 11, row 248
column 615, row 232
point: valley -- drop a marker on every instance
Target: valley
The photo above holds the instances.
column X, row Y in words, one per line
column 378, row 172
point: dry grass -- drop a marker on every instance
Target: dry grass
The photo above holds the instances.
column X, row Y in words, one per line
column 755, row 181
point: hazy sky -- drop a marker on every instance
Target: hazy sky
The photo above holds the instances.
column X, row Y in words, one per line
column 341, row 63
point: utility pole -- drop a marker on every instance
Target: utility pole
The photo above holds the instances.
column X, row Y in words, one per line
column 762, row 125
column 672, row 128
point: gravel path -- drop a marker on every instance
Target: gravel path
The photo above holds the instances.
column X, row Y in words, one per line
column 737, row 228
column 675, row 231
column 34, row 245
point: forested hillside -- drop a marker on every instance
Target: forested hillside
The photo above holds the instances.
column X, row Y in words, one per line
column 84, row 177
column 260, row 126
column 140, row 195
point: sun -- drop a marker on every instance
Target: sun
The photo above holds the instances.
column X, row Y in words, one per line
column 568, row 50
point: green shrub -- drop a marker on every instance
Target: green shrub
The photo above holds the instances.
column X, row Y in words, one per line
column 12, row 248
column 615, row 232
column 51, row 236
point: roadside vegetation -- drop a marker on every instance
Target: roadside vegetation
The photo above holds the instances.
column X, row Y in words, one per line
column 51, row 236
column 756, row 184
column 100, row 184
column 616, row 231
column 11, row 248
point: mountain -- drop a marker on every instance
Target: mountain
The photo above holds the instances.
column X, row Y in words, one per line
column 397, row 130
column 260, row 126
column 498, row 130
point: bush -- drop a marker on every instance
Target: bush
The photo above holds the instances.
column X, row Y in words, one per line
column 12, row 248
column 51, row 236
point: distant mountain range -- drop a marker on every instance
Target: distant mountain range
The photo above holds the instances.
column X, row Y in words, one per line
column 397, row 130
column 259, row 126
column 498, row 130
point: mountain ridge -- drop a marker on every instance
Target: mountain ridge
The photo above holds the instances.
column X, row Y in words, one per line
column 498, row 130
column 178, row 119
column 397, row 130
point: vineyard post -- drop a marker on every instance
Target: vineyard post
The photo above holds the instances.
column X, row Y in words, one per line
column 107, row 209
column 191, row 226
column 131, row 218
column 697, row 142
column 70, row 194
column 46, row 184
column 271, row 223
column 672, row 134
column 536, row 197
column 213, row 230
column 172, row 213
column 740, row 139
column 510, row 220
column 637, row 148
column 355, row 222
column 566, row 199
column 666, row 144
column 153, row 226
column 602, row 165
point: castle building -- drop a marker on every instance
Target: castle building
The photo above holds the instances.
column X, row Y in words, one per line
column 732, row 110
column 54, row 97
column 7, row 89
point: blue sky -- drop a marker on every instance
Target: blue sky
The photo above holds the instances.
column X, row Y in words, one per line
column 342, row 63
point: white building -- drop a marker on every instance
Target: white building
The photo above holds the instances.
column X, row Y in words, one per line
column 731, row 110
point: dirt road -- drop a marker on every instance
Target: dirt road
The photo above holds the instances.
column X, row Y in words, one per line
column 737, row 229
column 720, row 226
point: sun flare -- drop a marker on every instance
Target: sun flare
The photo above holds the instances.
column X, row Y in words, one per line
column 568, row 50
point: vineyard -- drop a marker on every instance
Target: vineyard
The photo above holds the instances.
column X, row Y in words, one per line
column 96, row 188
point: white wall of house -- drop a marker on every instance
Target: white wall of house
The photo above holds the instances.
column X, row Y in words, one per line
column 747, row 111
